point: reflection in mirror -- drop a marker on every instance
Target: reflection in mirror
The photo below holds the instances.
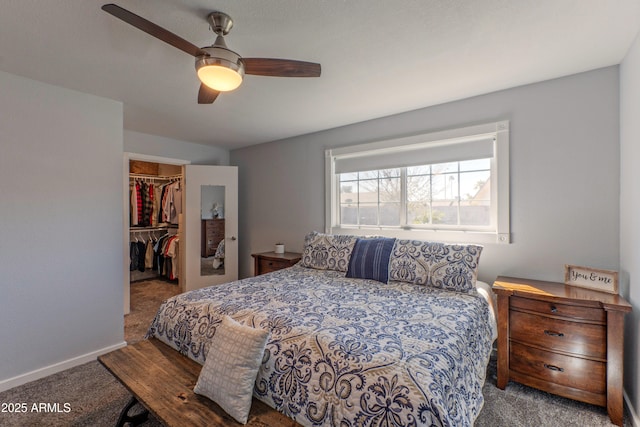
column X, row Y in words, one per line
column 212, row 235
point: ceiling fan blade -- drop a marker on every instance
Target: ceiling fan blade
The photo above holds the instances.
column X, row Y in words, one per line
column 280, row 67
column 153, row 29
column 206, row 95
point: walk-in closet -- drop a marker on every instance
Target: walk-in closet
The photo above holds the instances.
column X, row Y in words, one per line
column 155, row 209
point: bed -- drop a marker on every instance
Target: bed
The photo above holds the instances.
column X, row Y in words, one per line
column 356, row 351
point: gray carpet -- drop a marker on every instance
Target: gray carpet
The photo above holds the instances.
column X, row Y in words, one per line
column 95, row 398
column 146, row 297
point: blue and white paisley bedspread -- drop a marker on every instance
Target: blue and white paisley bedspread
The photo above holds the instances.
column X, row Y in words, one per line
column 348, row 352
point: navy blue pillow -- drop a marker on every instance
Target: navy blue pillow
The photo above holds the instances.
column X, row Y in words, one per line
column 370, row 259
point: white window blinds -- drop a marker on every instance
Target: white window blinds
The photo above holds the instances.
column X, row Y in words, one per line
column 478, row 147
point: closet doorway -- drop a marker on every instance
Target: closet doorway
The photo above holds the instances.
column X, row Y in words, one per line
column 208, row 195
column 151, row 177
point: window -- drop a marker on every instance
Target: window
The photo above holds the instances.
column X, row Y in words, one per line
column 446, row 186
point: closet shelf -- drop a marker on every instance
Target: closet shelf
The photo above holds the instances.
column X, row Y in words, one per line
column 146, row 229
column 154, row 178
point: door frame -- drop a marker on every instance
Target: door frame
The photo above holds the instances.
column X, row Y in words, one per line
column 125, row 213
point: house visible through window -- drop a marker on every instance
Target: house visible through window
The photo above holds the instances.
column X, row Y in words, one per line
column 452, row 183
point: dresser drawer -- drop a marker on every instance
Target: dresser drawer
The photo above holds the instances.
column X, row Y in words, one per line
column 559, row 335
column 574, row 372
column 214, row 233
column 269, row 265
column 558, row 309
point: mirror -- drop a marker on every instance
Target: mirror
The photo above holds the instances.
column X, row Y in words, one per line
column 213, row 229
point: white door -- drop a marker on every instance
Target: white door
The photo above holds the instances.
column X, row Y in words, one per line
column 210, row 194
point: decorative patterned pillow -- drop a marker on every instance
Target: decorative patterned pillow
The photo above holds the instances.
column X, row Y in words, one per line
column 327, row 251
column 370, row 259
column 441, row 265
column 233, row 361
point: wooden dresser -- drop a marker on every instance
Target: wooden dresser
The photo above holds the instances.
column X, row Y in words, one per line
column 212, row 235
column 266, row 262
column 562, row 339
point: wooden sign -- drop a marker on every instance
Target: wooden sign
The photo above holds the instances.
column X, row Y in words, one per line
column 591, row 278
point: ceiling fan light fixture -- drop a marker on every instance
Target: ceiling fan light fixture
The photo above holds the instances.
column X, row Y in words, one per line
column 220, row 74
column 222, row 69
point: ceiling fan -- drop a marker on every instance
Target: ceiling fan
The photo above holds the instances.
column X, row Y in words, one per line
column 219, row 68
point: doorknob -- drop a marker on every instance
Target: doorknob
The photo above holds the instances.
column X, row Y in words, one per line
column 233, row 238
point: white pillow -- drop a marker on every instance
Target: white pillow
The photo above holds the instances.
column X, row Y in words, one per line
column 232, row 364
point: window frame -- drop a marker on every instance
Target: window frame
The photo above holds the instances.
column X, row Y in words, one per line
column 500, row 233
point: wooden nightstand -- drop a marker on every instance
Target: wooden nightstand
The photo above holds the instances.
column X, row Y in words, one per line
column 562, row 339
column 267, row 262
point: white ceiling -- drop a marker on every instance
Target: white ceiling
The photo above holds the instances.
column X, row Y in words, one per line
column 379, row 57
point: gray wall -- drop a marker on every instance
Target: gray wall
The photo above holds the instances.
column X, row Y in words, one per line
column 629, row 214
column 564, row 175
column 61, row 222
column 154, row 145
column 61, row 226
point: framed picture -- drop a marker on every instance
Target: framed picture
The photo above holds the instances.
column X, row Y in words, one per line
column 591, row 278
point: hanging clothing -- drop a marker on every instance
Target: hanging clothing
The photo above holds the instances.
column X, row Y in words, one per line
column 159, row 255
column 134, row 204
column 149, row 206
column 172, row 253
column 139, row 202
column 171, row 204
column 134, row 256
column 157, row 197
column 142, row 246
column 148, row 255
column 176, row 203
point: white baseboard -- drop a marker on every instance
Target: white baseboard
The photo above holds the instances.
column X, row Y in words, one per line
column 635, row 421
column 55, row 368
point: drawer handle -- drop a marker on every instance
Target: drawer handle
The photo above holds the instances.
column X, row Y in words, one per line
column 554, row 368
column 554, row 309
column 553, row 333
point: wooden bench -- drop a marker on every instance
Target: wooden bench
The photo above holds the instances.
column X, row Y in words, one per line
column 162, row 380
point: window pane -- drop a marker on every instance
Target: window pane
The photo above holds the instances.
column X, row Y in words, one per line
column 390, row 214
column 419, row 170
column 445, row 187
column 417, row 213
column 475, row 186
column 368, row 214
column 390, row 190
column 386, row 173
column 444, row 167
column 444, row 213
column 475, row 212
column 352, row 176
column 475, row 206
column 349, row 214
column 472, row 165
column 418, row 189
column 368, row 175
column 368, row 191
column 347, row 194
